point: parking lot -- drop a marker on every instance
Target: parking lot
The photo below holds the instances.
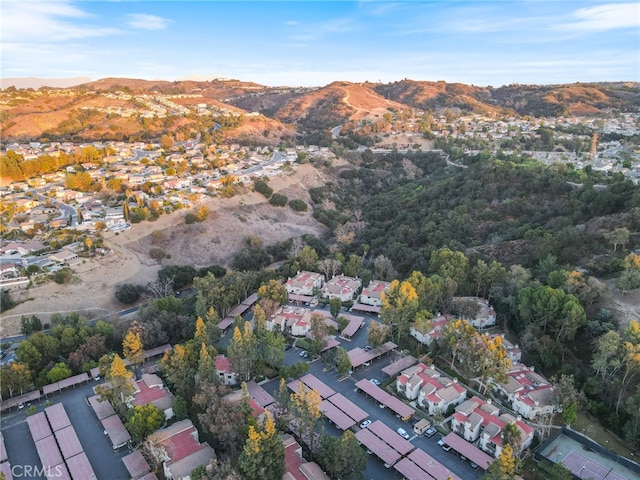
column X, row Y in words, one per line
column 22, row 450
column 346, row 386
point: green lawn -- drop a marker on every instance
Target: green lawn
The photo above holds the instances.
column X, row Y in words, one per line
column 587, row 425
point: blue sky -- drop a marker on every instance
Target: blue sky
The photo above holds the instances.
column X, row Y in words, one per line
column 312, row 43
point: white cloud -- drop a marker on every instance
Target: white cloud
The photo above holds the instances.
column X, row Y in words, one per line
column 147, row 22
column 604, row 17
column 33, row 22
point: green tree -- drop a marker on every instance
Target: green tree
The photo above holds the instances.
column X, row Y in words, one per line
column 308, row 258
column 179, row 366
column 143, row 420
column 305, row 408
column 60, row 371
column 377, row 333
column 343, row 363
column 450, row 264
column 272, row 347
column 353, row 266
column 28, row 354
column 335, row 305
column 619, row 236
column 243, row 351
column 343, row 457
column 399, row 306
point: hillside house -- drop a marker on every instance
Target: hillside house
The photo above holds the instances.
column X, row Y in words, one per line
column 528, row 393
column 433, row 391
column 179, row 450
column 480, row 421
column 429, row 335
column 342, row 287
column 304, row 283
column 476, row 311
column 224, row 370
column 151, row 389
column 371, row 294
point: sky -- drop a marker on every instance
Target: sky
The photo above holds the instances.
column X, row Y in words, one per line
column 313, row 43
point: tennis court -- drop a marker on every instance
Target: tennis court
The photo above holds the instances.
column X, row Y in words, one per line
column 582, row 467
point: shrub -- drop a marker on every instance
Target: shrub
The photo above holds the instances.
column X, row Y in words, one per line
column 157, row 253
column 261, row 186
column 190, row 218
column 128, row 293
column 278, row 200
column 298, row 205
column 62, row 276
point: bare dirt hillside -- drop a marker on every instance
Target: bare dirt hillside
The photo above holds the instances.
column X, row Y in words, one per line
column 215, row 241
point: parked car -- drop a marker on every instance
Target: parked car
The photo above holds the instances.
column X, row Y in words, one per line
column 463, row 458
column 368, row 347
column 430, row 433
column 446, row 447
column 303, row 354
column 475, row 466
column 365, row 424
column 403, row 433
column 366, row 364
column 375, row 381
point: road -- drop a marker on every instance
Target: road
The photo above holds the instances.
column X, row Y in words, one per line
column 67, row 210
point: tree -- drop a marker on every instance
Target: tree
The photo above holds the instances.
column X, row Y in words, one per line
column 206, row 373
column 329, row 267
column 377, row 333
column 274, row 290
column 305, row 409
column 504, row 467
column 243, row 351
column 30, row 324
column 224, row 420
column 132, row 347
column 308, row 258
column 450, row 264
column 263, row 454
column 119, row 386
column 343, row 363
column 619, row 236
column 128, row 293
column 353, row 267
column 455, row 336
column 486, row 359
column 318, row 331
column 399, row 306
column 570, row 414
column 343, row 457
column 179, row 366
column 28, row 354
column 335, row 305
column 512, row 436
column 60, row 371
column 272, row 347
column 383, row 268
column 143, row 420
column 15, row 377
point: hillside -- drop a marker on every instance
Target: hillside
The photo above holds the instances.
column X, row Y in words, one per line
column 125, row 109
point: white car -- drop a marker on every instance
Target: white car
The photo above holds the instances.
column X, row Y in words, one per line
column 375, row 381
column 403, row 433
column 365, row 424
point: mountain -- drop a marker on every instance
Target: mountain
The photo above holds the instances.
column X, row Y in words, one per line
column 124, row 108
column 33, row 82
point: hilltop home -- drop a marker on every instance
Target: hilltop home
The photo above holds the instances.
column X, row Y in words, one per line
column 304, row 283
column 371, row 294
column 342, row 287
column 527, row 392
column 480, row 421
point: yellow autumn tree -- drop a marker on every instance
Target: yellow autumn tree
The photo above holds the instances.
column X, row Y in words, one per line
column 132, row 347
column 201, row 331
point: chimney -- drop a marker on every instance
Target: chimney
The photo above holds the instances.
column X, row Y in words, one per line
column 489, row 401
